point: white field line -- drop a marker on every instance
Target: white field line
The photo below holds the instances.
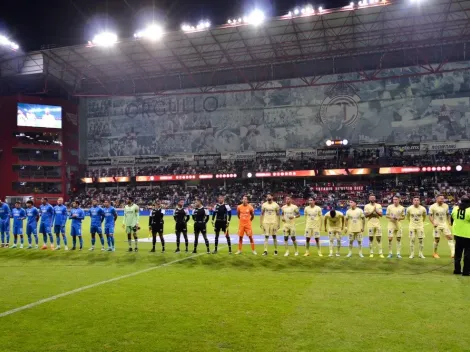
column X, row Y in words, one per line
column 88, row 287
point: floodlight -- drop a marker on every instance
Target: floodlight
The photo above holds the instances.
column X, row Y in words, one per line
column 459, row 168
column 152, row 32
column 249, row 175
column 303, row 10
column 105, row 39
column 296, row 11
column 256, row 17
column 8, row 43
column 351, row 4
column 320, row 9
column 345, row 142
column 329, row 143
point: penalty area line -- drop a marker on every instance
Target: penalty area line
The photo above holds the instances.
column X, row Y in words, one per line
column 88, row 287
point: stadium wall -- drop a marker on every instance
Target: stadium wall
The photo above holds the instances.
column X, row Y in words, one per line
column 8, row 125
column 411, row 108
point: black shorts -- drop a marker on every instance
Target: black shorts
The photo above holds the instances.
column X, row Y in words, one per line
column 158, row 228
column 201, row 228
column 220, row 225
column 181, row 228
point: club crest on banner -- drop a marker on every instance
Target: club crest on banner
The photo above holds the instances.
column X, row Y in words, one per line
column 339, row 108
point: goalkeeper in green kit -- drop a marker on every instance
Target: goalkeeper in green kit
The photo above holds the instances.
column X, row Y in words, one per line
column 131, row 222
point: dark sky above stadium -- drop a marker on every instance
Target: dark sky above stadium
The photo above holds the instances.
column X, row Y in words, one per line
column 32, row 23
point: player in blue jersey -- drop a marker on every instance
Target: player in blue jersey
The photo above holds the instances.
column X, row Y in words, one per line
column 77, row 215
column 18, row 214
column 5, row 214
column 60, row 219
column 97, row 217
column 45, row 227
column 32, row 216
column 110, row 217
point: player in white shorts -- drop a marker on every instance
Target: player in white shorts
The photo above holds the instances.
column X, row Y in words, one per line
column 334, row 225
column 373, row 213
column 440, row 219
column 395, row 214
column 416, row 214
column 313, row 215
column 355, row 221
column 270, row 221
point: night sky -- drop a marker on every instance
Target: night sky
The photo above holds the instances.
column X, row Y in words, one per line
column 32, row 23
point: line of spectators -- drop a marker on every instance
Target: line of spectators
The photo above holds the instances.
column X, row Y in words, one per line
column 328, row 195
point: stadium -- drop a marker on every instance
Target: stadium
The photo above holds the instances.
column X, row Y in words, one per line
column 282, row 181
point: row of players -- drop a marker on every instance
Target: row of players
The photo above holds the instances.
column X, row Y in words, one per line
column 334, row 222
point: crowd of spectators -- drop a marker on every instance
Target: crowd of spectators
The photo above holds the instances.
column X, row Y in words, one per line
column 345, row 159
column 327, row 194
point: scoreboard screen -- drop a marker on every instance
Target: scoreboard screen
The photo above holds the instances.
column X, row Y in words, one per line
column 40, row 116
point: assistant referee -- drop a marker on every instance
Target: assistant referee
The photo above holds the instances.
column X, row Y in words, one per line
column 461, row 231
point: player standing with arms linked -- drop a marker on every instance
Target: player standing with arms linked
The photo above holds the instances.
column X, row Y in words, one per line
column 45, row 227
column 222, row 214
column 110, row 217
column 270, row 222
column 314, row 216
column 32, row 215
column 373, row 213
column 200, row 217
column 461, row 229
column 395, row 213
column 355, row 221
column 130, row 222
column 60, row 219
column 18, row 214
column 77, row 215
column 181, row 216
column 5, row 214
column 290, row 212
column 334, row 225
column 440, row 219
column 156, row 224
column 416, row 214
column 245, row 213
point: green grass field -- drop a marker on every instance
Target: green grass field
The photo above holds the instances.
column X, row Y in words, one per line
column 230, row 303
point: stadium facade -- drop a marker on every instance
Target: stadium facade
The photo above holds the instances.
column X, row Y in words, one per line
column 394, row 73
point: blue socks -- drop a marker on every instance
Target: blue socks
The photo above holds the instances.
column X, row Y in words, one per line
column 2, row 238
column 8, row 237
column 81, row 242
column 93, row 240
column 44, row 238
column 102, row 240
column 36, row 239
column 65, row 240
column 58, row 240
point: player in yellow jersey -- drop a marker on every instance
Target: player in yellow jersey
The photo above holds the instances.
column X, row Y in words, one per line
column 416, row 215
column 395, row 213
column 313, row 216
column 334, row 225
column 355, row 221
column 440, row 219
column 290, row 212
column 373, row 213
column 270, row 220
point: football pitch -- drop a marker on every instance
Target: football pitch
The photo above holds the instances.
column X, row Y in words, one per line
column 120, row 301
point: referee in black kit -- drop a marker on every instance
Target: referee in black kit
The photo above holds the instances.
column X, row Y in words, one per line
column 156, row 225
column 461, row 231
column 222, row 214
column 200, row 217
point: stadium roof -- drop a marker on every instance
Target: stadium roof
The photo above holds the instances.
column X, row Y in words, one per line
column 364, row 40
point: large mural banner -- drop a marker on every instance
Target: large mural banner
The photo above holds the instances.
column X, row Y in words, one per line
column 412, row 109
